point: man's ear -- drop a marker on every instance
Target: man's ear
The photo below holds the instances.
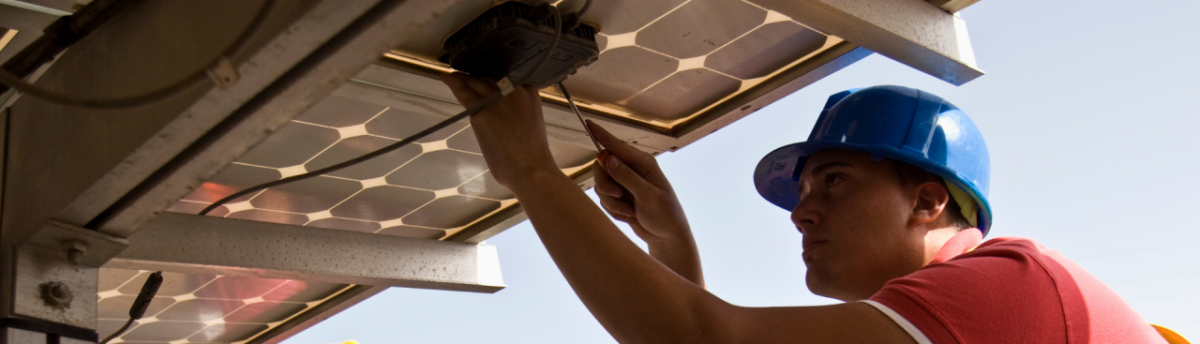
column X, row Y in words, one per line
column 930, row 203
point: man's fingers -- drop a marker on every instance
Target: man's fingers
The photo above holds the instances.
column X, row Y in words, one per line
column 625, row 176
column 605, row 185
column 616, row 206
column 462, row 92
column 641, row 162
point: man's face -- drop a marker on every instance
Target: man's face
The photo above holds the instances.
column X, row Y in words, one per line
column 854, row 214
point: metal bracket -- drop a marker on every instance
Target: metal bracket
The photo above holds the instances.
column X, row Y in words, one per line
column 56, row 272
column 77, row 246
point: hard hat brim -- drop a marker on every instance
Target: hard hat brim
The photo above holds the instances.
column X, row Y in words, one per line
column 777, row 176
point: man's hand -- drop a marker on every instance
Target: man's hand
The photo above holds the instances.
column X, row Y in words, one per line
column 511, row 132
column 633, row 189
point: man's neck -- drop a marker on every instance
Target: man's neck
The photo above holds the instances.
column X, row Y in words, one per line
column 935, row 240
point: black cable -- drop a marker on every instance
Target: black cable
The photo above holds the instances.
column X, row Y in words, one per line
column 13, row 81
column 587, row 4
column 469, row 111
column 140, row 304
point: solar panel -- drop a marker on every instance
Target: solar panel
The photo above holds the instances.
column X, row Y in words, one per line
column 663, row 63
column 426, row 190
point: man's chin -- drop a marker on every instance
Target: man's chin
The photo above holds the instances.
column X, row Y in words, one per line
column 815, row 284
column 822, row 285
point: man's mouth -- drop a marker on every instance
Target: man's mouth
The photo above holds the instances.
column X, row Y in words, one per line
column 809, row 246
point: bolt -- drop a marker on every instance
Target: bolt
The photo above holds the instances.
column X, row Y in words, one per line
column 60, row 291
column 56, row 294
column 76, row 249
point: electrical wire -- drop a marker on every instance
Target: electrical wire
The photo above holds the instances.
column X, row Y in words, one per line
column 587, row 4
column 140, row 304
column 119, row 331
column 13, row 81
column 558, row 25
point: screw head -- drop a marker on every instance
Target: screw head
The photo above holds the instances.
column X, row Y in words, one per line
column 75, row 250
column 56, row 294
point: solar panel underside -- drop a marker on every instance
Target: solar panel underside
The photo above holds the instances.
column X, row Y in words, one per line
column 194, row 308
column 663, row 63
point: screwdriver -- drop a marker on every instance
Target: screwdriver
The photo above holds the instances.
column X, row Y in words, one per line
column 603, row 154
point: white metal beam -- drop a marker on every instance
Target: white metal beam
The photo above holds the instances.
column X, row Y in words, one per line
column 211, row 245
column 914, row 32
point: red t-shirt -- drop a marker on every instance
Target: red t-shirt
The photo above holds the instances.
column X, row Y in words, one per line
column 1008, row 290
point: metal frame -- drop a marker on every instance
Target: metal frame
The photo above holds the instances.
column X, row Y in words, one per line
column 220, row 246
column 914, row 32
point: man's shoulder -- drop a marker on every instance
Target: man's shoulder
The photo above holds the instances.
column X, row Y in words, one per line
column 1008, row 246
column 1013, row 275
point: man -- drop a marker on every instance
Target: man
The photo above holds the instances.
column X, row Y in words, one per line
column 890, row 195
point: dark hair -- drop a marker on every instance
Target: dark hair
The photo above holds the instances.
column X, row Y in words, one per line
column 913, row 175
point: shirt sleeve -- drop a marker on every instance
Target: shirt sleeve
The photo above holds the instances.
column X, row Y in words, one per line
column 998, row 293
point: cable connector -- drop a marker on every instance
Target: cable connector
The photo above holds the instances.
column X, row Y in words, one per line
column 506, row 86
column 140, row 304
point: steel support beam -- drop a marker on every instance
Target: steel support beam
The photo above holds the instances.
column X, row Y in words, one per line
column 211, row 245
column 914, row 32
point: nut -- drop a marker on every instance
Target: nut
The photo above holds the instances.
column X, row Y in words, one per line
column 75, row 250
column 57, row 295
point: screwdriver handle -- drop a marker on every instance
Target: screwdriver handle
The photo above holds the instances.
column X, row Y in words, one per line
column 602, row 159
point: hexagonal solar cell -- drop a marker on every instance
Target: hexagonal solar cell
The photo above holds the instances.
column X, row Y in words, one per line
column 678, row 95
column 765, row 50
column 238, row 287
column 623, row 16
column 464, row 141
column 382, row 203
column 306, row 196
column 620, row 74
column 409, row 115
column 354, row 147
column 451, row 212
column 292, row 145
column 700, row 27
column 230, row 180
column 485, row 186
column 337, row 111
column 439, row 170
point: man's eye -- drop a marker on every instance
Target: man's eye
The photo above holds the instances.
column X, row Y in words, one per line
column 832, row 179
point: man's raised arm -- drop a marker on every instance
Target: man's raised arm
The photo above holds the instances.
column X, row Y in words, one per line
column 636, row 298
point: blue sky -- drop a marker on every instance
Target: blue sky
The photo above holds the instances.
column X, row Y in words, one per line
column 1090, row 116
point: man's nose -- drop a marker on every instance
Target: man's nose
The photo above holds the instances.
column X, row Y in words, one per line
column 804, row 216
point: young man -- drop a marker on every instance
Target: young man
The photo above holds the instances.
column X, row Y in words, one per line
column 890, row 196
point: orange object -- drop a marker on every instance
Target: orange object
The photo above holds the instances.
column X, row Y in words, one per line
column 1170, row 336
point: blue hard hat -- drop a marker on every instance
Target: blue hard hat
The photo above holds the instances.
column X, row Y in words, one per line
column 895, row 122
